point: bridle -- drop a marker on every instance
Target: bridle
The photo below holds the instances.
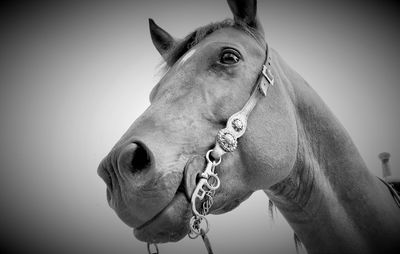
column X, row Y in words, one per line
column 226, row 142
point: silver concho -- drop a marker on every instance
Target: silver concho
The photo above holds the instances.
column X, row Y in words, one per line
column 226, row 140
column 237, row 125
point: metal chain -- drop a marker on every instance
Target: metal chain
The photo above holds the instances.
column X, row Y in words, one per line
column 204, row 192
column 155, row 248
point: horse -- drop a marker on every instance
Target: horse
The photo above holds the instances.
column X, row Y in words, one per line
column 230, row 117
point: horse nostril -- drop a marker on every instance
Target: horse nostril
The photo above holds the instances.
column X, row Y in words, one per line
column 134, row 157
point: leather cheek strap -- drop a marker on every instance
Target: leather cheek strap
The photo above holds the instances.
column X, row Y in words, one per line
column 236, row 125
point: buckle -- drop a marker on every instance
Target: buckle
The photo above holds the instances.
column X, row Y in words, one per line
column 268, row 75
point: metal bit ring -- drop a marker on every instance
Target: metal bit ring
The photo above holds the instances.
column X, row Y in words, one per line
column 215, row 163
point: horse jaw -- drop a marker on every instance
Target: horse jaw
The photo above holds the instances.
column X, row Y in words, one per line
column 170, row 225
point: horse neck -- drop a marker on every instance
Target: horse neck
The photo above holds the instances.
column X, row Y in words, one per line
column 331, row 200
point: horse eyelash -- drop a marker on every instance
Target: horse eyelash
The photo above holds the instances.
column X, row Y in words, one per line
column 231, row 50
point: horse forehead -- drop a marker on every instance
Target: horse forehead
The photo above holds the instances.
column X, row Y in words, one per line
column 228, row 36
column 234, row 37
column 176, row 81
column 225, row 35
column 187, row 56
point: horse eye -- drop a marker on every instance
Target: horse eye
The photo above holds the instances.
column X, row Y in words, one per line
column 230, row 57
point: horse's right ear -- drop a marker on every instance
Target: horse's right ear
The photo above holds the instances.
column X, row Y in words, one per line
column 162, row 40
column 245, row 11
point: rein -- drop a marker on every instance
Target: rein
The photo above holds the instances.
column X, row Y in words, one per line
column 226, row 141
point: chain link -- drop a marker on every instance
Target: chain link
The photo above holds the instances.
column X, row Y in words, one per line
column 155, row 249
column 204, row 192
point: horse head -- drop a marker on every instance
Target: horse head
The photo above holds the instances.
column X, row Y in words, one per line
column 151, row 171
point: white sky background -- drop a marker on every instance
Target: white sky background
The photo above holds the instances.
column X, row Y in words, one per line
column 74, row 77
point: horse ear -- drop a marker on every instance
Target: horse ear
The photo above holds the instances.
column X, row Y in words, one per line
column 245, row 11
column 162, row 40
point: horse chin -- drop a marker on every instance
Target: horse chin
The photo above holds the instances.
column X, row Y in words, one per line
column 229, row 206
column 170, row 225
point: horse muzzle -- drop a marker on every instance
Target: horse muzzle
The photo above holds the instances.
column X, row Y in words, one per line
column 149, row 198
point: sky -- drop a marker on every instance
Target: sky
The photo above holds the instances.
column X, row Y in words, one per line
column 75, row 74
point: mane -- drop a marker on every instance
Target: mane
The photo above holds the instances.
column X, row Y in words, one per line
column 193, row 38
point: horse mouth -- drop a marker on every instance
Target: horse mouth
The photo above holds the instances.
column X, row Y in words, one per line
column 171, row 224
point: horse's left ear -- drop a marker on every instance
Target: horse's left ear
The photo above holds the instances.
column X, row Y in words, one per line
column 245, row 11
column 162, row 40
